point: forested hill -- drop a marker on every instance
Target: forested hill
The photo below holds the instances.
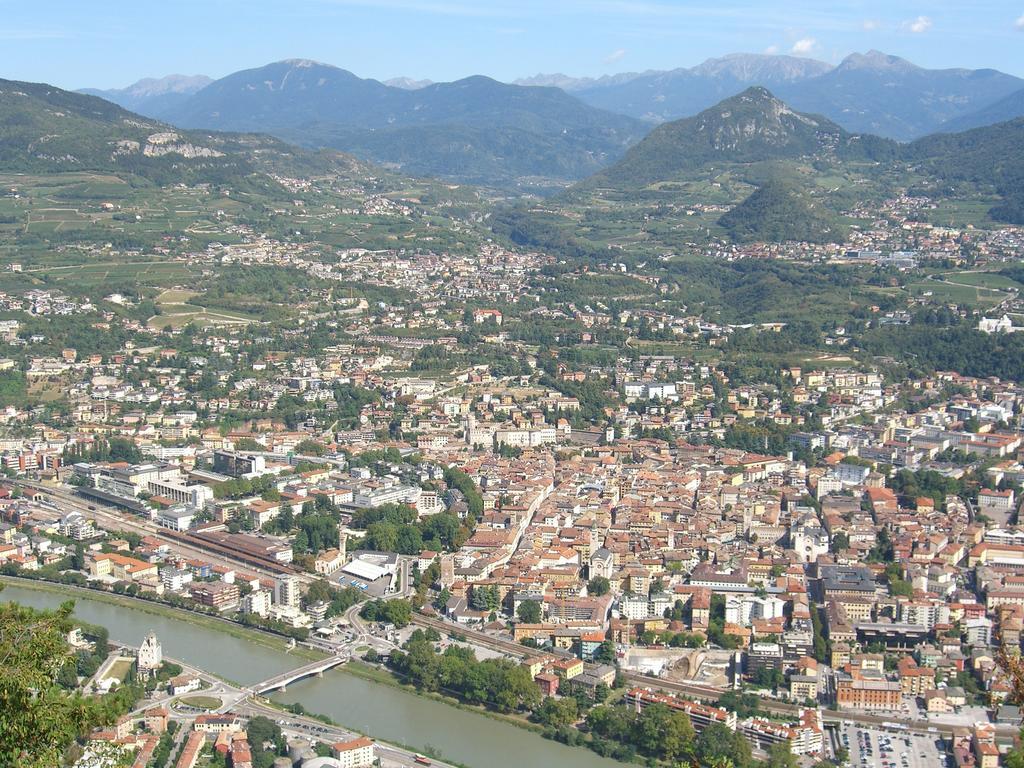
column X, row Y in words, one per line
column 45, row 129
column 751, row 127
column 777, row 212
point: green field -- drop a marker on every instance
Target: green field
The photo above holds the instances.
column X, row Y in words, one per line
column 119, row 669
column 991, row 280
column 953, row 293
column 177, row 311
column 201, row 702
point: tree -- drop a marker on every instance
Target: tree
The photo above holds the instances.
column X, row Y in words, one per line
column 605, row 652
column 285, row 519
column 840, row 541
column 557, row 713
column 781, row 756
column 718, row 743
column 529, row 612
column 598, row 586
column 39, row 720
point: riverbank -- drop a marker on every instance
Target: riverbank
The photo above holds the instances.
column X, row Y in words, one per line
column 385, row 676
column 251, row 634
column 312, row 716
column 387, row 713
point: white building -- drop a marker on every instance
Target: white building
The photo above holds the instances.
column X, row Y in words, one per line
column 257, row 602
column 150, row 655
column 353, row 754
column 286, row 590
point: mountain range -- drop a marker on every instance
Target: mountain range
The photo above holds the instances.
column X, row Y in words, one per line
column 153, row 95
column 549, row 130
column 475, row 130
column 805, row 170
column 871, row 92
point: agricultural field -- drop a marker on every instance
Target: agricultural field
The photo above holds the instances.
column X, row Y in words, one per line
column 175, row 308
column 949, row 292
column 990, row 280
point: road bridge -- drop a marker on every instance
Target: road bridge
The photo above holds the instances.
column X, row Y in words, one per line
column 282, row 681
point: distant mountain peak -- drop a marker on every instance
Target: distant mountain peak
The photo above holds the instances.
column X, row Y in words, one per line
column 154, row 86
column 754, row 67
column 306, row 63
column 408, row 83
column 875, row 59
column 755, row 93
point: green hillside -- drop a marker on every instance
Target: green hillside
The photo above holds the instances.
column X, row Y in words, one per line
column 749, row 128
column 45, row 130
column 778, row 212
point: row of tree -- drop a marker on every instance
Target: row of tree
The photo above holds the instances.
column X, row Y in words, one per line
column 498, row 683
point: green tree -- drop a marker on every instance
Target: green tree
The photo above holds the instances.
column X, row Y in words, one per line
column 529, row 612
column 718, row 743
column 781, row 756
column 598, row 586
column 38, row 719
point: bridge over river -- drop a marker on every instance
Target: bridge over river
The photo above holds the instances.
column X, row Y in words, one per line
column 282, row 681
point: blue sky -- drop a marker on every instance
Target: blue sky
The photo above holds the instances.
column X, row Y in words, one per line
column 112, row 43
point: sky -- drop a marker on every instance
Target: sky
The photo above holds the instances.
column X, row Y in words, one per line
column 111, row 43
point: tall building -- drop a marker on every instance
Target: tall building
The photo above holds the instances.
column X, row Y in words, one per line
column 150, row 655
column 447, row 571
column 286, row 590
column 258, row 602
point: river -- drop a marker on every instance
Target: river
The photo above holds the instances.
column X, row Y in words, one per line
column 379, row 710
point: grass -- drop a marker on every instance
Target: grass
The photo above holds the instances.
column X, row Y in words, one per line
column 950, row 293
column 177, row 311
column 119, row 669
column 989, row 280
column 201, row 702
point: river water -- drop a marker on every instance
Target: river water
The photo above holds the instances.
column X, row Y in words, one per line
column 379, row 710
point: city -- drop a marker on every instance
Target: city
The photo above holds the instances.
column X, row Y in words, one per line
column 670, row 418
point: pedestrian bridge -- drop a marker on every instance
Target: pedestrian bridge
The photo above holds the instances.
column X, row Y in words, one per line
column 282, row 681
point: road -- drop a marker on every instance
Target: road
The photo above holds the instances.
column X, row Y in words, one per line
column 308, row 727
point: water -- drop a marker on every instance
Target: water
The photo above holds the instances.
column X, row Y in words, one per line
column 372, row 708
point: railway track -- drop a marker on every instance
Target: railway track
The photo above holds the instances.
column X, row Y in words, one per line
column 191, row 546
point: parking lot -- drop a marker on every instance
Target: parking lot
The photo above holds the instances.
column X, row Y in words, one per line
column 871, row 747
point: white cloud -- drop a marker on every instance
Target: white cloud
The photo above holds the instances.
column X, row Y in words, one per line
column 617, row 55
column 1019, row 23
column 870, row 25
column 771, row 50
column 804, row 45
column 919, row 25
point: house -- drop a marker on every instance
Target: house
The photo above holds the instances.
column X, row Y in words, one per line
column 121, row 567
column 156, row 719
column 217, row 723
column 184, row 684
column 547, row 683
column 353, row 754
column 567, row 669
column 936, row 702
column 329, row 561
